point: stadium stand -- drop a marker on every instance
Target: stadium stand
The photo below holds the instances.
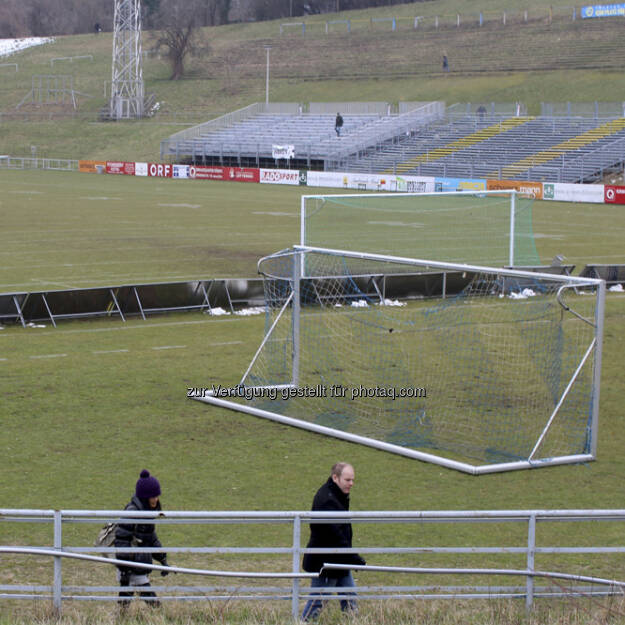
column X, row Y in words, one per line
column 247, row 137
column 570, row 144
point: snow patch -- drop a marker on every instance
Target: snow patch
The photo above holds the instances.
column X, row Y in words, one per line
column 247, row 312
column 617, row 288
column 361, row 303
column 392, row 302
column 11, row 46
column 524, row 294
column 217, row 311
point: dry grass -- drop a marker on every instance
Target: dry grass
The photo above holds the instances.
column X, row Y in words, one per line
column 580, row 611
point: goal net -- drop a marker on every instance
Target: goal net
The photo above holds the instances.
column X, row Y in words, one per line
column 492, row 228
column 482, row 370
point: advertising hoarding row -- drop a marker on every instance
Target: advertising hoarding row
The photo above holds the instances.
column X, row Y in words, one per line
column 563, row 192
column 603, row 10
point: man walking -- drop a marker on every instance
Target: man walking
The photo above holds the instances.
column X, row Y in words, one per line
column 332, row 496
column 338, row 124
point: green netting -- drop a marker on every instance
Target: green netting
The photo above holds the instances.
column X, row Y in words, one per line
column 487, row 366
column 463, row 227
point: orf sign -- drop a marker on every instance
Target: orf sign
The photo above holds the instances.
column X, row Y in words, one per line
column 614, row 195
column 159, row 170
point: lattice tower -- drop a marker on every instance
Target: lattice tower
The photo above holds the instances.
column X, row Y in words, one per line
column 127, row 100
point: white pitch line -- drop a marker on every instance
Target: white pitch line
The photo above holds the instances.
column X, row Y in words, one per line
column 151, row 326
column 226, row 343
column 61, row 284
column 111, row 351
column 49, row 356
column 170, row 347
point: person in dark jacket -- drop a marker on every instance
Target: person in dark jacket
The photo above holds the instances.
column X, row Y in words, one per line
column 338, row 124
column 146, row 497
column 332, row 496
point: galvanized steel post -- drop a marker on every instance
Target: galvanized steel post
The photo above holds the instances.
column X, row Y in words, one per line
column 297, row 525
column 531, row 550
column 57, row 581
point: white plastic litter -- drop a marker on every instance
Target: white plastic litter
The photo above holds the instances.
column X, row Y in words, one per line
column 616, row 288
column 361, row 303
column 34, row 325
column 217, row 311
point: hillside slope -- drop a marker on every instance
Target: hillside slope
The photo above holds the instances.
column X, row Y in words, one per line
column 529, row 58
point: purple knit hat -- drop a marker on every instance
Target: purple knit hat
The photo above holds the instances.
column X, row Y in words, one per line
column 147, row 486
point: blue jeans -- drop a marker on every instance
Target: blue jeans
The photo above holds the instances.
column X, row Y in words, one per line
column 313, row 606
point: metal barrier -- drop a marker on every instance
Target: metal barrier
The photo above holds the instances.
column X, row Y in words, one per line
column 291, row 553
column 132, row 300
column 22, row 162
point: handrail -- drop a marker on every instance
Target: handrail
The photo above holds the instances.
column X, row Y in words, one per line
column 59, row 592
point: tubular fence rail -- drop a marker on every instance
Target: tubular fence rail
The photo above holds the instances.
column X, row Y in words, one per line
column 289, row 581
column 513, row 17
column 23, row 162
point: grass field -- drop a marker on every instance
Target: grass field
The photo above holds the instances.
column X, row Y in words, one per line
column 68, row 230
column 87, row 405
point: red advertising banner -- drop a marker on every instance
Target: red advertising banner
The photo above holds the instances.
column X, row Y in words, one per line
column 243, row 174
column 160, row 170
column 614, row 195
column 120, row 167
column 234, row 174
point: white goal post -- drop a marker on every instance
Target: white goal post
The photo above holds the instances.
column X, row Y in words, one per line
column 490, row 370
column 491, row 228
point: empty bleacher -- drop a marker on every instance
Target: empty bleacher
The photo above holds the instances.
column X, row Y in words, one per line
column 497, row 141
column 248, row 137
column 561, row 149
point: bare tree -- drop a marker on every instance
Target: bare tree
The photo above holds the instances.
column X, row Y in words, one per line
column 13, row 20
column 179, row 23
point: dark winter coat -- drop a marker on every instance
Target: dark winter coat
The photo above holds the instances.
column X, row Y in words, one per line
column 139, row 535
column 337, row 535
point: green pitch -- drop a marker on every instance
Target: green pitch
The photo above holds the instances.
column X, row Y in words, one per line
column 70, row 230
column 86, row 406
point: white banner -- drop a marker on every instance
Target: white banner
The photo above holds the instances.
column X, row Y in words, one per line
column 283, row 151
column 415, row 184
column 181, row 171
column 330, row 179
column 567, row 192
column 279, row 176
column 141, row 169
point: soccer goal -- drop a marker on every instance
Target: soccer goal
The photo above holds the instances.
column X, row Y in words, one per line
column 498, row 372
column 492, row 228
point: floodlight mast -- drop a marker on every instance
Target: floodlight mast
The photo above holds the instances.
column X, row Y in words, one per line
column 127, row 99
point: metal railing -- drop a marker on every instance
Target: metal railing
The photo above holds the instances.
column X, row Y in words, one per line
column 23, row 162
column 528, row 549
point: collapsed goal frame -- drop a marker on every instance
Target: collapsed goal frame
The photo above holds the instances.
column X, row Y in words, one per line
column 553, row 337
